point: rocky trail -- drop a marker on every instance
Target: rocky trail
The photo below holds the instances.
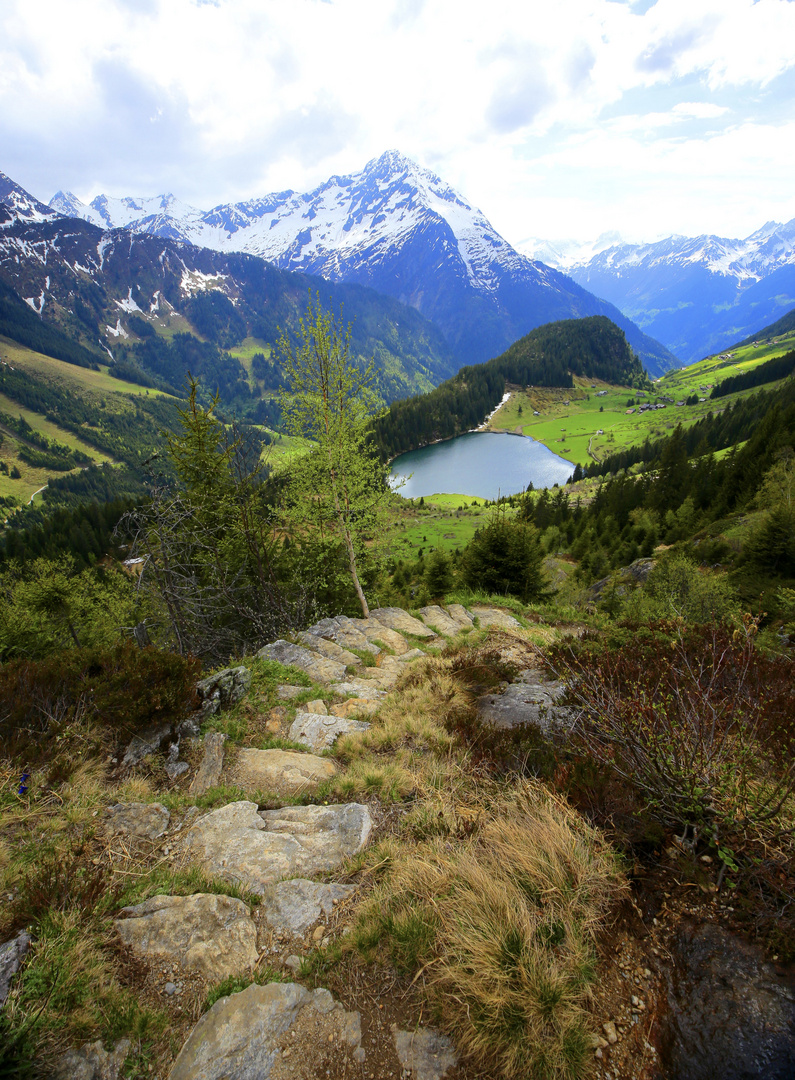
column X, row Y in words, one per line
column 290, row 864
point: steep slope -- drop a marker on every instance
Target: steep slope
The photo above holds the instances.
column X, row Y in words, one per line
column 698, row 295
column 399, row 229
column 102, row 289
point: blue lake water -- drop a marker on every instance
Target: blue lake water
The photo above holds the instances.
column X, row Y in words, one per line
column 480, row 463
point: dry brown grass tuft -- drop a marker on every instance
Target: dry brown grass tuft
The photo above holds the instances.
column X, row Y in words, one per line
column 503, row 931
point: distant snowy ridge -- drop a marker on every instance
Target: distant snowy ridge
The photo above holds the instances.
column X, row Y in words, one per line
column 397, row 228
column 20, row 206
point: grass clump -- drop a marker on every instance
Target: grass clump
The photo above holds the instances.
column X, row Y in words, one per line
column 502, row 930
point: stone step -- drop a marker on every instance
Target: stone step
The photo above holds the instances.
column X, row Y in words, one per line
column 496, row 618
column 328, row 648
column 398, row 619
column 320, row 668
column 438, row 620
column 283, row 772
column 321, row 732
column 343, row 631
column 459, row 614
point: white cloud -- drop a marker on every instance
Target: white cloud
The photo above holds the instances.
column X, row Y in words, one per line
column 233, row 98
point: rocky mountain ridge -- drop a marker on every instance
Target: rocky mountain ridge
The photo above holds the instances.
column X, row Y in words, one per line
column 397, row 228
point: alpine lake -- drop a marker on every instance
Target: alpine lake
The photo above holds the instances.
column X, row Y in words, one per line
column 484, row 464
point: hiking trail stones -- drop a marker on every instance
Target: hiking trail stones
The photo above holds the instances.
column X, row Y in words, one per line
column 424, row 1054
column 291, row 907
column 223, row 688
column 255, row 848
column 531, row 699
column 240, row 1035
column 320, row 668
column 320, row 732
column 12, row 953
column 92, row 1062
column 494, row 618
column 400, row 620
column 438, row 619
column 211, row 935
column 283, row 772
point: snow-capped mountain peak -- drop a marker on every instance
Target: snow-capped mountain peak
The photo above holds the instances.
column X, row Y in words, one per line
column 21, row 206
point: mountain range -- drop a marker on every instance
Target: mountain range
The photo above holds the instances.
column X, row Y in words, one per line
column 397, row 228
column 697, row 295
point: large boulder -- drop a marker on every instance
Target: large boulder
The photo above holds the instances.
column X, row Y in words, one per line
column 256, row 848
column 320, row 668
column 494, row 618
column 283, row 772
column 211, row 935
column 459, row 614
column 328, row 648
column 321, row 732
column 242, row 1036
column 532, row 699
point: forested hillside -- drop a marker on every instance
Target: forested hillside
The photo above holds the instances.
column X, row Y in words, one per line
column 548, row 356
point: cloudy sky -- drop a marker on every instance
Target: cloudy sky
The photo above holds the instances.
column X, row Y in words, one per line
column 557, row 118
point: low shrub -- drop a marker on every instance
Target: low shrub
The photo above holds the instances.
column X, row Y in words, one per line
column 121, row 687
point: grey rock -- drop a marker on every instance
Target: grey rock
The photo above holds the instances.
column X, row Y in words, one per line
column 230, row 685
column 316, row 706
column 146, row 821
column 285, row 692
column 291, row 907
column 176, row 769
column 191, row 726
column 494, row 618
column 380, row 634
column 321, row 732
column 730, row 1014
column 398, row 619
column 412, row 654
column 320, row 668
column 438, row 620
column 238, row 1039
column 209, row 774
column 361, row 688
column 344, row 632
column 170, row 988
column 354, row 707
column 459, row 614
column 624, row 580
column 146, row 742
column 211, row 935
column 253, row 849
column 283, row 772
column 425, row 1054
column 92, row 1062
column 12, row 953
column 530, row 700
column 328, row 648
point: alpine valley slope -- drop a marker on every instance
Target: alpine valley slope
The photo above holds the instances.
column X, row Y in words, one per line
column 698, row 295
column 104, row 289
column 397, row 228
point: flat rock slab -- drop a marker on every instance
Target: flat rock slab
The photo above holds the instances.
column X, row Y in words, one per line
column 316, row 706
column 284, row 772
column 495, row 618
column 328, row 648
column 291, row 907
column 459, row 614
column 211, row 935
column 398, row 619
column 320, row 668
column 362, row 688
column 344, row 632
column 241, row 1036
column 12, row 953
column 438, row 620
column 533, row 701
column 256, row 849
column 354, row 707
column 209, row 774
column 92, row 1062
column 378, row 633
column 412, row 654
column 321, row 732
column 424, row 1054
column 145, row 821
